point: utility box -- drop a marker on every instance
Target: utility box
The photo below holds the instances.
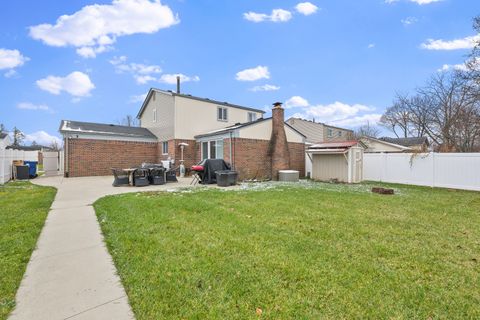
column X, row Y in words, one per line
column 288, row 175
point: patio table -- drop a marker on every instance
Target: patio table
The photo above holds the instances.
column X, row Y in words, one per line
column 130, row 172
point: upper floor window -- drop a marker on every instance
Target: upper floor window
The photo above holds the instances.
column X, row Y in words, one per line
column 165, row 147
column 330, row 132
column 252, row 116
column 154, row 115
column 339, row 133
column 222, row 114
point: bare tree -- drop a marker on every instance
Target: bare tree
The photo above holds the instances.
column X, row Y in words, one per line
column 54, row 146
column 367, row 130
column 446, row 110
column 396, row 118
column 129, row 121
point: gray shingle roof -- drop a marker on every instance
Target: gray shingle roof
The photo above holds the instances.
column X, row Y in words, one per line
column 67, row 126
column 407, row 142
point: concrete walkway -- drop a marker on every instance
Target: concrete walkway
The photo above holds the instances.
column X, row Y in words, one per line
column 71, row 274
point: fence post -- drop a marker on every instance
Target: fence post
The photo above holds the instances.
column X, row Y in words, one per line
column 433, row 169
column 2, row 166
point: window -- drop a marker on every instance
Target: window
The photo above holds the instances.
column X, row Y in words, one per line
column 252, row 116
column 339, row 133
column 165, row 147
column 154, row 115
column 212, row 149
column 330, row 132
column 222, row 114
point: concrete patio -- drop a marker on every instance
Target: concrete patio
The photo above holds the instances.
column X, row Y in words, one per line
column 70, row 274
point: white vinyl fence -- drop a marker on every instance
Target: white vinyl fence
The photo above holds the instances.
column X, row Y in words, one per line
column 447, row 170
column 6, row 158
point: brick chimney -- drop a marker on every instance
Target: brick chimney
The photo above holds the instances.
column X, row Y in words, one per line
column 278, row 142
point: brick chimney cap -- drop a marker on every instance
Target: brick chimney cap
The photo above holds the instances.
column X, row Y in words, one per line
column 277, row 104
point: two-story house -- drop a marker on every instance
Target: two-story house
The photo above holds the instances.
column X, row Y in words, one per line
column 185, row 128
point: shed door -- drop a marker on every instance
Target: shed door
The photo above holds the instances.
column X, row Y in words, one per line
column 330, row 166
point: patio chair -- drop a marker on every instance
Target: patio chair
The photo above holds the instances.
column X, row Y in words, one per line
column 140, row 177
column 157, row 175
column 120, row 177
column 171, row 174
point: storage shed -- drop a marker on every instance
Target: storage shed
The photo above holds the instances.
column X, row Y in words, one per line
column 341, row 161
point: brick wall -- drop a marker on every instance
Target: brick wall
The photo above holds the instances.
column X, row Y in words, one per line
column 252, row 158
column 87, row 157
column 95, row 157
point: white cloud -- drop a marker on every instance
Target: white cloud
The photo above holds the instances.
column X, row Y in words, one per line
column 43, row 138
column 142, row 73
column 95, row 28
column 31, row 106
column 340, row 114
column 277, row 15
column 357, row 121
column 10, row 59
column 464, row 43
column 448, row 67
column 253, row 74
column 306, row 8
column 371, row 46
column 296, row 101
column 409, row 21
column 137, row 98
column 172, row 78
column 77, row 83
column 265, row 87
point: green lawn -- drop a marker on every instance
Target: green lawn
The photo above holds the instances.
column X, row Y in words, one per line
column 311, row 252
column 23, row 209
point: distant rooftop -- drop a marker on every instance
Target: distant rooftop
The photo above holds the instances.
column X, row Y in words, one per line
column 67, row 126
column 407, row 142
column 312, row 130
column 3, row 135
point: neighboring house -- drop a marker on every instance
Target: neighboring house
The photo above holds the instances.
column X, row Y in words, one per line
column 5, row 140
column 316, row 132
column 374, row 145
column 205, row 128
column 414, row 143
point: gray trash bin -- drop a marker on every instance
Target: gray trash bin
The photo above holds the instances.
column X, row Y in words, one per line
column 22, row 172
column 226, row 178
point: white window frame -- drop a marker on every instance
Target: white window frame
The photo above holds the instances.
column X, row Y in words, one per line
column 217, row 143
column 329, row 132
column 155, row 115
column 252, row 116
column 165, row 147
column 222, row 114
column 340, row 133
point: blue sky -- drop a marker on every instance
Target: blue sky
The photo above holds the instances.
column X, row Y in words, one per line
column 338, row 61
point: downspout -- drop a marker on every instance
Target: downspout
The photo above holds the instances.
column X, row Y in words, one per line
column 230, row 151
column 66, row 159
